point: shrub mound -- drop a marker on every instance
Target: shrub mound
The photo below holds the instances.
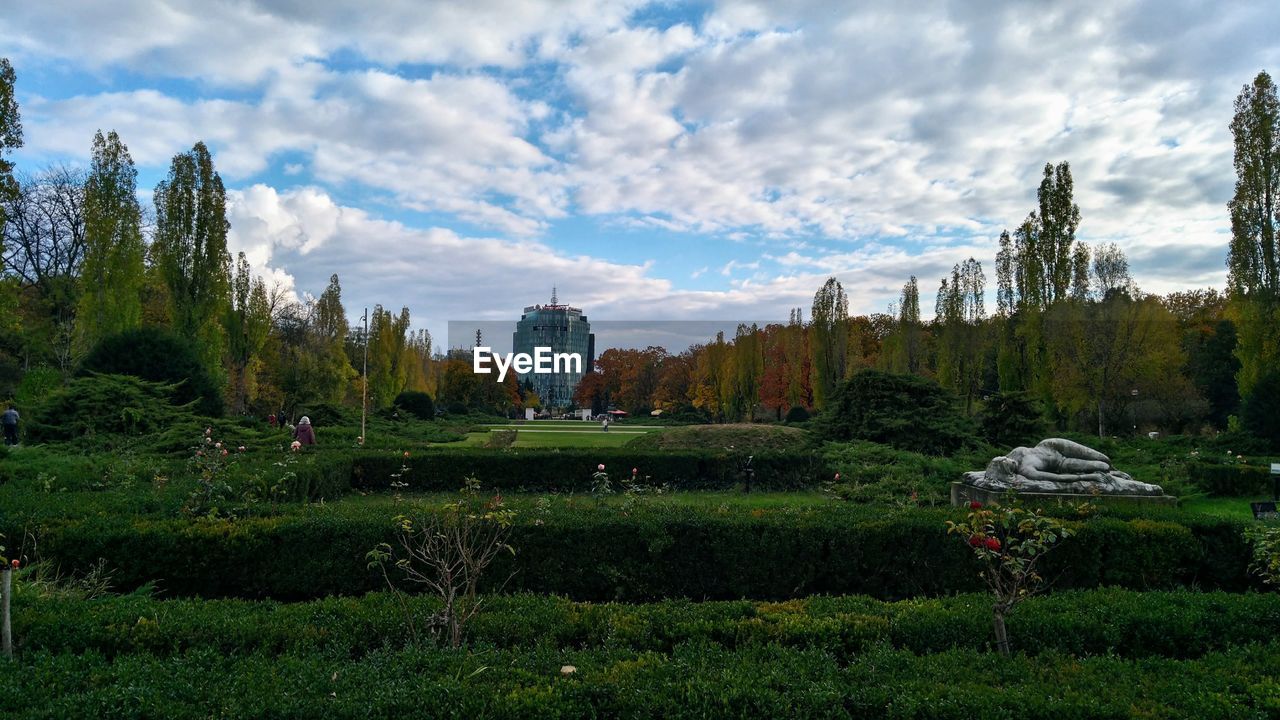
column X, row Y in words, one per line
column 903, row 411
column 739, row 438
column 102, row 405
column 417, row 404
column 162, row 356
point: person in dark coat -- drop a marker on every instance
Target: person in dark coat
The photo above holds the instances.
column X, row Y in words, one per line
column 9, row 419
column 304, row 433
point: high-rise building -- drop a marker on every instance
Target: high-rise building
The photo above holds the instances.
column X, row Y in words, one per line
column 564, row 329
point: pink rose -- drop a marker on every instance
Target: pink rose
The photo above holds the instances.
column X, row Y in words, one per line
column 600, row 467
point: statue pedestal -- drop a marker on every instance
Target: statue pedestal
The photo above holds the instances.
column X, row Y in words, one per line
column 963, row 493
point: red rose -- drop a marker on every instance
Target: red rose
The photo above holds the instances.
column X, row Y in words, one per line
column 975, row 505
column 993, row 544
column 974, row 541
column 15, row 563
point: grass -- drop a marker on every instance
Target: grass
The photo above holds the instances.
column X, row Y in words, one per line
column 1222, row 506
column 563, row 433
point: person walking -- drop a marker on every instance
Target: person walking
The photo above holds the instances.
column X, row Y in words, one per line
column 304, row 433
column 604, row 424
column 9, row 419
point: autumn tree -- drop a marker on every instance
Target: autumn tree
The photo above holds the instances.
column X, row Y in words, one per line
column 112, row 276
column 190, row 249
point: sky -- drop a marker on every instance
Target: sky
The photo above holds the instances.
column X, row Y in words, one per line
column 656, row 160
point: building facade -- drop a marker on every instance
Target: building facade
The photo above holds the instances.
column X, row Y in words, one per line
column 564, row 329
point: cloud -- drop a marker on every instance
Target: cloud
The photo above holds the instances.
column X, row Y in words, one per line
column 868, row 140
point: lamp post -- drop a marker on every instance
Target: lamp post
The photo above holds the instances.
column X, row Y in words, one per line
column 364, row 390
column 1133, row 410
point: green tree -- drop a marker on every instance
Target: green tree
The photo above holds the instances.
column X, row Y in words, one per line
column 828, row 339
column 1101, row 350
column 1254, row 258
column 190, row 249
column 248, row 323
column 961, row 316
column 112, row 275
column 904, row 349
column 10, row 132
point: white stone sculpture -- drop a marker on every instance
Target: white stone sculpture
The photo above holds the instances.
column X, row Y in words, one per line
column 1058, row 465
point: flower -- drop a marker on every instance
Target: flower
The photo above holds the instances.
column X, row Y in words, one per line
column 634, row 471
column 974, row 541
column 208, row 431
column 218, row 445
column 208, row 441
column 406, row 453
column 993, row 544
column 837, row 477
column 240, row 449
column 224, row 452
column 199, row 453
column 295, row 446
column 360, row 440
column 975, row 505
column 14, row 562
column 600, row 467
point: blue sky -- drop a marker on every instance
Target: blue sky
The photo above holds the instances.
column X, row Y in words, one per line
column 656, row 160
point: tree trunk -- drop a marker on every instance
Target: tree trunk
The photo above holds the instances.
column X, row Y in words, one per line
column 1101, row 414
column 1002, row 634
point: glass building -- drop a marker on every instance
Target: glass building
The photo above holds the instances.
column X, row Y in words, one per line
column 564, row 329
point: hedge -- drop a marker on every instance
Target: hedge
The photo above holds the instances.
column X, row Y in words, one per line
column 1232, row 480
column 649, row 551
column 1179, row 624
column 695, row 680
column 571, row 469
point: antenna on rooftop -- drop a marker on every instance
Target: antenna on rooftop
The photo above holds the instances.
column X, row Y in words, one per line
column 553, row 295
column 478, row 341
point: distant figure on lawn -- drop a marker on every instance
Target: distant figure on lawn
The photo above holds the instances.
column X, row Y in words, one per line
column 10, row 422
column 304, row 433
column 604, row 424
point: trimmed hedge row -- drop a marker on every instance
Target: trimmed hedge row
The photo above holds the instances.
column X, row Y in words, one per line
column 1152, row 624
column 695, row 681
column 1231, row 480
column 571, row 469
column 649, row 551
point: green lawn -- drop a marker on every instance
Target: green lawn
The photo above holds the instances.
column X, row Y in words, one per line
column 564, row 433
column 1224, row 507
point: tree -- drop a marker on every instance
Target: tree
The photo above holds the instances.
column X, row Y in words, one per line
column 1099, row 351
column 248, row 323
column 112, row 277
column 10, row 133
column 828, row 339
column 904, row 349
column 961, row 313
column 1110, row 271
column 190, row 249
column 159, row 355
column 905, row 411
column 1254, row 257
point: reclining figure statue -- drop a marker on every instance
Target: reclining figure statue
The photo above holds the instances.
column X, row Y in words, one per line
column 1057, row 465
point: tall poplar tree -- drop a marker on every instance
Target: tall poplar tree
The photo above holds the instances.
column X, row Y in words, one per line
column 190, row 249
column 112, row 272
column 1254, row 257
column 828, row 339
column 10, row 131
